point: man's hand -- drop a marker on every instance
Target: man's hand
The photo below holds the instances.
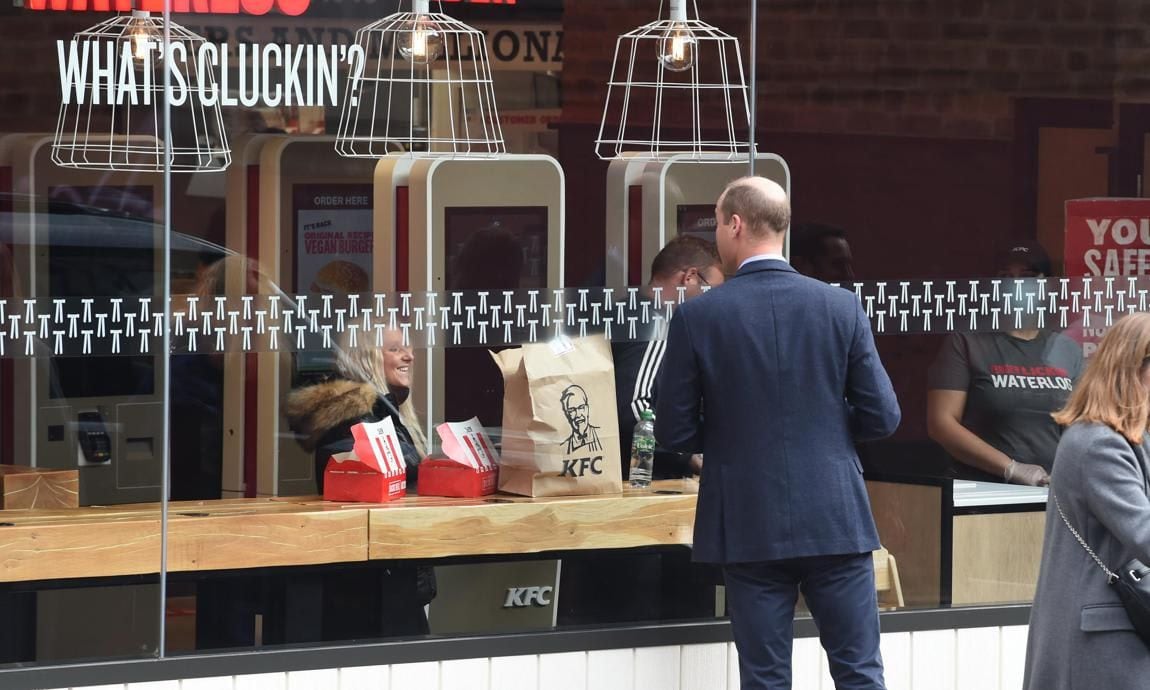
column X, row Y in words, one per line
column 1026, row 474
column 696, row 463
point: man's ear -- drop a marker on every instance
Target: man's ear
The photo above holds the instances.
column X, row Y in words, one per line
column 736, row 225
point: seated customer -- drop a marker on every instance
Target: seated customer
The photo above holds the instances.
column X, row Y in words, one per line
column 690, row 263
column 372, row 383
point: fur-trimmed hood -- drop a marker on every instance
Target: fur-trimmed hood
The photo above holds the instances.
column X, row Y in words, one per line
column 315, row 410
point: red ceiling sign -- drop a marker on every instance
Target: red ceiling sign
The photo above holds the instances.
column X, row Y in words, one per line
column 288, row 7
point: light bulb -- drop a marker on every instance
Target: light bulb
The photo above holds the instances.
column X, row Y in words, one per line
column 420, row 40
column 142, row 34
column 677, row 47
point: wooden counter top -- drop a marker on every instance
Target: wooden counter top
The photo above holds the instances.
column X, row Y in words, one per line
column 510, row 524
column 255, row 533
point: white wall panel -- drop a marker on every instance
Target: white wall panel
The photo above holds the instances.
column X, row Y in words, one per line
column 932, row 660
column 657, row 668
column 703, row 667
column 896, row 653
column 323, row 679
column 610, row 669
column 976, row 660
column 515, row 673
column 262, row 681
column 364, row 678
column 732, row 666
column 464, row 674
column 566, row 671
column 421, row 676
column 969, row 659
column 218, row 683
column 1012, row 656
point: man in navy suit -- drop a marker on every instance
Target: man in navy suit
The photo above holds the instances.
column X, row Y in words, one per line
column 774, row 377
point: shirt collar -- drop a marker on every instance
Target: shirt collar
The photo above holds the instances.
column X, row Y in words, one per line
column 773, row 256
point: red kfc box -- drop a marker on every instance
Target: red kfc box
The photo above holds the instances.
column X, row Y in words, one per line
column 373, row 472
column 471, row 467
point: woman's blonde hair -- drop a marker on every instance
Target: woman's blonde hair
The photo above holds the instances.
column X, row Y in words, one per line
column 363, row 362
column 1110, row 392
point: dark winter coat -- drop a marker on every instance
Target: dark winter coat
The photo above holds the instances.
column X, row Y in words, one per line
column 323, row 415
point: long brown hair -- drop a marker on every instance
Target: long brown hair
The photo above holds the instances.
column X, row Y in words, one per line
column 1110, row 392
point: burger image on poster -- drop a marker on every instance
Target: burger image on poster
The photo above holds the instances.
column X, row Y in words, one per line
column 340, row 277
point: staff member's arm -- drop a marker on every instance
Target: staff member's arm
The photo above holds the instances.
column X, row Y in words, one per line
column 874, row 407
column 678, row 407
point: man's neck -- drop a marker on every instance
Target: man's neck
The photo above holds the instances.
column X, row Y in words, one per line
column 759, row 250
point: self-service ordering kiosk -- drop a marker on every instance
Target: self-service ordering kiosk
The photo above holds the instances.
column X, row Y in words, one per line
column 651, row 201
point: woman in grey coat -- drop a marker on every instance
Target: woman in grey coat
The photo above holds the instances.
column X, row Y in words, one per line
column 1080, row 636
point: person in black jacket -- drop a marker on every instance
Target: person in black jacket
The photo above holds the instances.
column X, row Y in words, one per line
column 372, row 383
column 662, row 585
column 685, row 262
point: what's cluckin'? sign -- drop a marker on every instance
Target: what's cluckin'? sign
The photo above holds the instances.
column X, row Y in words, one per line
column 109, row 72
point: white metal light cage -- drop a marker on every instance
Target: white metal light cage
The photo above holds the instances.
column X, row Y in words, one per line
column 673, row 82
column 424, row 86
column 96, row 134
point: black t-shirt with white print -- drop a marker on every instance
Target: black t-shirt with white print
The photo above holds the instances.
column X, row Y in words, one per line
column 1012, row 385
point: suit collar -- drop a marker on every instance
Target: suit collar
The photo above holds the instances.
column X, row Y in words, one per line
column 765, row 265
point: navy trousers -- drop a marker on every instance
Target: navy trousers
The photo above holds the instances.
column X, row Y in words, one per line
column 840, row 593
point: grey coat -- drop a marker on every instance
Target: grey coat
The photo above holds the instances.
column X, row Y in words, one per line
column 1080, row 637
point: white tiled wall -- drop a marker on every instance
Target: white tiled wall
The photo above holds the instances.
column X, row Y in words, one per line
column 971, row 659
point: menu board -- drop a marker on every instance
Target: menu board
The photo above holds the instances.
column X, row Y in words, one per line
column 333, row 238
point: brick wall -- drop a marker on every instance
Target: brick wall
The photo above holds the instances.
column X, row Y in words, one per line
column 909, row 67
column 30, row 91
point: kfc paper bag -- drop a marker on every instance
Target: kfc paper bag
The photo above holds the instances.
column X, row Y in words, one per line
column 560, row 433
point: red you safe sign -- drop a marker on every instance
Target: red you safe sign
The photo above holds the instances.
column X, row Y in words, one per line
column 1104, row 237
column 1107, row 237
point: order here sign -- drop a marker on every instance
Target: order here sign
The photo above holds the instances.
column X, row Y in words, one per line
column 1107, row 237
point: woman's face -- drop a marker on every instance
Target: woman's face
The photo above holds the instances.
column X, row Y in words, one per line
column 397, row 360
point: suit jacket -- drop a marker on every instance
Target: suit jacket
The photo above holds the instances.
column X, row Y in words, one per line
column 786, row 368
column 1080, row 635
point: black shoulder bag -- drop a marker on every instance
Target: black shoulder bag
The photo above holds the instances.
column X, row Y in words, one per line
column 1132, row 580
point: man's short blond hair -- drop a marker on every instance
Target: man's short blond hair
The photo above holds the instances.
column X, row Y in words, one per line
column 762, row 214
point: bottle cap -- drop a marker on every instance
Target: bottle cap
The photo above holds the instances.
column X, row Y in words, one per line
column 647, row 415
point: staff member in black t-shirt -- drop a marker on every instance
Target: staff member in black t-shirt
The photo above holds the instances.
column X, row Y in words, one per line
column 991, row 395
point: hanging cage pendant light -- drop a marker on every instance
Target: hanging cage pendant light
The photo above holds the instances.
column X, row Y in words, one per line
column 111, row 116
column 424, row 88
column 677, row 88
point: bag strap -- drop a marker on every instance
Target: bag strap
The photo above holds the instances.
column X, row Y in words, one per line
column 1111, row 578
